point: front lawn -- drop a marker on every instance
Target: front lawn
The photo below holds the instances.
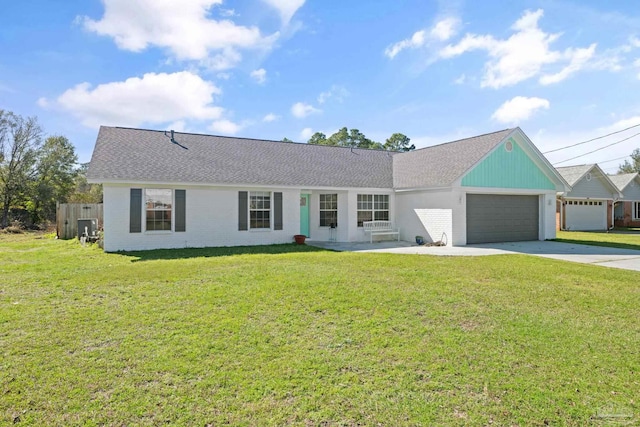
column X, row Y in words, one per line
column 601, row 238
column 290, row 335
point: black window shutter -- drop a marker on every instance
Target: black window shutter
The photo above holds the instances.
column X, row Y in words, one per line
column 181, row 201
column 135, row 211
column 277, row 211
column 243, row 210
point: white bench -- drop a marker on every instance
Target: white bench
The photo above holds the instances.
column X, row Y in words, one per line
column 376, row 228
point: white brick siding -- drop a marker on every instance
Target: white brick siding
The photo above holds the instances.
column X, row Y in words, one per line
column 211, row 220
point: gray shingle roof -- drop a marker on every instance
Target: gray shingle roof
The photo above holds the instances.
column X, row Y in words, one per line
column 441, row 165
column 572, row 174
column 137, row 155
column 622, row 180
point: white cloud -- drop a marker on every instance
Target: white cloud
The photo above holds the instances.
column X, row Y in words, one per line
column 270, row 118
column 578, row 58
column 306, row 133
column 460, row 80
column 518, row 109
column 178, row 126
column 224, row 60
column 227, row 13
column 445, row 29
column 414, row 42
column 441, row 31
column 152, row 99
column 260, row 76
column 183, row 27
column 225, row 126
column 286, row 8
column 339, row 93
column 43, row 102
column 301, row 110
column 523, row 55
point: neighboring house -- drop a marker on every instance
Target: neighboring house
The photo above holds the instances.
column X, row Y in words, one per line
column 172, row 190
column 627, row 210
column 589, row 204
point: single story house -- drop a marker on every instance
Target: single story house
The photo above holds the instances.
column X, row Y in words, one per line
column 588, row 206
column 627, row 210
column 174, row 190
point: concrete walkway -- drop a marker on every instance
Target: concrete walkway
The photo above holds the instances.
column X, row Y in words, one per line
column 627, row 259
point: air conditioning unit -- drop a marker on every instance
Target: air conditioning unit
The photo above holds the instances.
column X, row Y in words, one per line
column 87, row 227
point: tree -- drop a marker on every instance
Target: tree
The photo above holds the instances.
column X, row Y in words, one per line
column 318, row 138
column 20, row 140
column 83, row 191
column 285, row 139
column 399, row 142
column 340, row 138
column 355, row 139
column 55, row 179
column 344, row 138
column 633, row 166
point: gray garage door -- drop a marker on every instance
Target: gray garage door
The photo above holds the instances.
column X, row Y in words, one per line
column 498, row 218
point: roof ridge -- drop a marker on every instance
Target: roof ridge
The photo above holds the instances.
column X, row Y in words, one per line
column 458, row 140
column 253, row 139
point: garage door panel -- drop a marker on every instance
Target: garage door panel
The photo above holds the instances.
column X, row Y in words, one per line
column 583, row 216
column 501, row 218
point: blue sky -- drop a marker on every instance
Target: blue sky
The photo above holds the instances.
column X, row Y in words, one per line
column 436, row 71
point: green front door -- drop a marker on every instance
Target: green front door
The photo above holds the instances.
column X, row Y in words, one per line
column 304, row 214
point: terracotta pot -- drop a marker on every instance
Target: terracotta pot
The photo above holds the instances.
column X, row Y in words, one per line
column 299, row 238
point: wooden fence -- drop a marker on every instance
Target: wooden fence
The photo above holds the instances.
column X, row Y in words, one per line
column 68, row 214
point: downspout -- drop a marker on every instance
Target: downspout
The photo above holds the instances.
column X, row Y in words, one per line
column 613, row 210
column 562, row 214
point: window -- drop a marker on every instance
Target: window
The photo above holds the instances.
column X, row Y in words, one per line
column 328, row 210
column 636, row 211
column 260, row 209
column 373, row 207
column 158, row 206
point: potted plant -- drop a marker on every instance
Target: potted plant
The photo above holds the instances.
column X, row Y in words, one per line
column 299, row 238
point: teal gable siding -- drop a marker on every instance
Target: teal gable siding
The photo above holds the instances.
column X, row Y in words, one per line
column 503, row 169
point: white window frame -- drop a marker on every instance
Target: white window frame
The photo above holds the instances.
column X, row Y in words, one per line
column 375, row 204
column 635, row 211
column 257, row 206
column 330, row 205
column 158, row 209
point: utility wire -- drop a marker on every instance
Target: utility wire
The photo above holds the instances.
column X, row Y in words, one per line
column 606, row 146
column 613, row 160
column 590, row 140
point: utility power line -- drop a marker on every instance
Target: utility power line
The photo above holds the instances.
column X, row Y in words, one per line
column 613, row 160
column 606, row 146
column 591, row 140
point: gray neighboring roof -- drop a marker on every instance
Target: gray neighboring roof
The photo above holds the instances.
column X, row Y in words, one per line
column 137, row 155
column 573, row 174
column 441, row 165
column 622, row 180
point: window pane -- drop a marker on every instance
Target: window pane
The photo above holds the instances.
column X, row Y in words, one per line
column 382, row 215
column 363, row 216
column 328, row 210
column 259, row 209
column 158, row 205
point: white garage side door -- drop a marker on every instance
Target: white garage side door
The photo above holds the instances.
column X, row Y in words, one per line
column 586, row 215
column 502, row 218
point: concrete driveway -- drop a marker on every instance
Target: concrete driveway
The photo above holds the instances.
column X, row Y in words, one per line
column 626, row 259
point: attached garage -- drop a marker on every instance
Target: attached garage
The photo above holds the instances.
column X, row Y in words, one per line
column 586, row 215
column 495, row 218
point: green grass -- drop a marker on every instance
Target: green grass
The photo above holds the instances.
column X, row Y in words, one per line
column 598, row 238
column 290, row 335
